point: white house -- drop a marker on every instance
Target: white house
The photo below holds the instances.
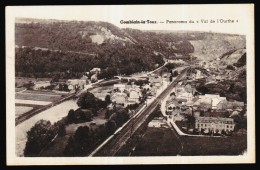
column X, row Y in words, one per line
column 185, row 95
column 155, row 80
column 134, row 95
column 214, row 124
column 215, row 99
column 94, row 77
column 41, row 84
column 119, row 98
column 95, row 70
column 120, row 87
column 73, row 84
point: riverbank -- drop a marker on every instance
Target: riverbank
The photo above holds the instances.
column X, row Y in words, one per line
column 52, row 114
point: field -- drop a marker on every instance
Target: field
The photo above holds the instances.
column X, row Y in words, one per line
column 166, row 142
column 20, row 81
column 19, row 89
column 30, row 100
column 233, row 145
column 157, row 142
column 19, row 110
column 37, row 96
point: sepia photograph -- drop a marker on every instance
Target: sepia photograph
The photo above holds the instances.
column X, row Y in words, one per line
column 130, row 84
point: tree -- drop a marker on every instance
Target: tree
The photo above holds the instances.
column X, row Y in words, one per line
column 108, row 99
column 170, row 66
column 173, row 93
column 85, row 115
column 108, row 114
column 82, row 135
column 79, row 143
column 230, row 67
column 70, row 147
column 62, row 130
column 170, row 78
column 175, row 74
column 86, row 100
column 111, row 126
column 71, row 116
column 38, row 137
column 191, row 120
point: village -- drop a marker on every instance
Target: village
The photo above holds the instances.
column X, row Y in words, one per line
column 191, row 112
column 198, row 113
column 210, row 113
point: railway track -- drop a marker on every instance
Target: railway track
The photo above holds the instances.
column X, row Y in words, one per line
column 120, row 138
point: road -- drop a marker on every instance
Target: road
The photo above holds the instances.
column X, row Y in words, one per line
column 119, row 139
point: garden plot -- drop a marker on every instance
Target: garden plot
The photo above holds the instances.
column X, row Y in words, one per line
column 19, row 110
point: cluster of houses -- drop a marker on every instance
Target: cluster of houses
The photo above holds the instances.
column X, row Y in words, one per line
column 41, row 84
column 126, row 94
column 219, row 72
column 156, row 83
column 211, row 112
column 71, row 84
column 131, row 94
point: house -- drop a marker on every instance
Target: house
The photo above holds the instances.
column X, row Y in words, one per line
column 214, row 124
column 147, row 87
column 85, row 78
column 179, row 89
column 41, row 84
column 189, row 89
column 203, row 104
column 172, row 105
column 215, row 99
column 184, row 95
column 120, row 87
column 198, row 74
column 222, row 105
column 196, row 113
column 160, row 122
column 95, row 71
column 181, row 101
column 134, row 95
column 235, row 105
column 156, row 82
column 93, row 78
column 74, row 84
column 119, row 98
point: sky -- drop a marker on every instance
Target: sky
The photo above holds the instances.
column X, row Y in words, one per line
column 160, row 13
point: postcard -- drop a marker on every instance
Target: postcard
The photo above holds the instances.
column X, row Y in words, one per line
column 130, row 84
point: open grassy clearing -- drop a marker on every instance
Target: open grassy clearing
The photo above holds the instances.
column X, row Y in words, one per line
column 157, row 142
column 20, row 81
column 19, row 89
column 233, row 145
column 19, row 110
column 37, row 97
column 40, row 92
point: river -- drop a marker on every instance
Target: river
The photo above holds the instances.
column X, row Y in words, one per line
column 52, row 114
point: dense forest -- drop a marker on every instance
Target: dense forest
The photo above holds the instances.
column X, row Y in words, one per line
column 47, row 48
